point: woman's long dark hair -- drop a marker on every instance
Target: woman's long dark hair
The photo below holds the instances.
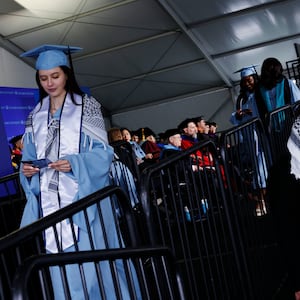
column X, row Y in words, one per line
column 71, row 87
column 271, row 72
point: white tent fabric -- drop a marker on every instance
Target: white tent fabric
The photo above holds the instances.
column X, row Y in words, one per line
column 175, row 57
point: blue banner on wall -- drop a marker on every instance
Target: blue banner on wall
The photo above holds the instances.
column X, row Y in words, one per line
column 15, row 104
column 5, row 161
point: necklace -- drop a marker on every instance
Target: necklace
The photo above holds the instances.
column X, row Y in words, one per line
column 56, row 103
column 54, row 107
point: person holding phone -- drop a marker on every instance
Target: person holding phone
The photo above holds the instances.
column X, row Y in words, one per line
column 66, row 131
column 246, row 107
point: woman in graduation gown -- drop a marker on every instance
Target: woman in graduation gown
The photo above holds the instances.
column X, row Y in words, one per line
column 67, row 128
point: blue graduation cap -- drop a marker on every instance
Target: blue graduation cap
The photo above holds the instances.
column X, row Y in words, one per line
column 247, row 71
column 51, row 56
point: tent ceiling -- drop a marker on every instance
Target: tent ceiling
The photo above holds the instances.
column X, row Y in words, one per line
column 140, row 52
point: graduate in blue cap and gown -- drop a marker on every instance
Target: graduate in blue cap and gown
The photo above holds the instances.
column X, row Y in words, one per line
column 67, row 128
column 246, row 107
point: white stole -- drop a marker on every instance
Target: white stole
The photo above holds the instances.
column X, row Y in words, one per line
column 69, row 143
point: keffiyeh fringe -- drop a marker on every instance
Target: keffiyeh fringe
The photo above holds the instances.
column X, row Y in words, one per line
column 293, row 145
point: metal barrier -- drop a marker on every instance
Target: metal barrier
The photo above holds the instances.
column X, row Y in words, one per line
column 28, row 241
column 280, row 122
column 216, row 218
column 157, row 278
column 125, row 154
column 247, row 154
column 208, row 205
column 187, row 209
column 12, row 201
column 123, row 177
column 293, row 69
column 246, row 151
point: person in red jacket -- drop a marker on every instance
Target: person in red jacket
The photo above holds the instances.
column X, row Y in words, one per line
column 149, row 145
column 189, row 139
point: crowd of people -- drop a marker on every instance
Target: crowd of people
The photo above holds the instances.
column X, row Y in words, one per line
column 149, row 147
column 259, row 95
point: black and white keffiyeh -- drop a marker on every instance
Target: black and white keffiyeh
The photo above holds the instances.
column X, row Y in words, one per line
column 52, row 153
column 92, row 119
column 293, row 145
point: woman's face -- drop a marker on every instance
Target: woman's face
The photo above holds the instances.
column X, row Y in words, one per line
column 53, row 81
column 249, row 82
column 126, row 135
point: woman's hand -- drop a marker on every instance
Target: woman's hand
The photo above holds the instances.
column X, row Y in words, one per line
column 62, row 165
column 29, row 170
column 149, row 156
